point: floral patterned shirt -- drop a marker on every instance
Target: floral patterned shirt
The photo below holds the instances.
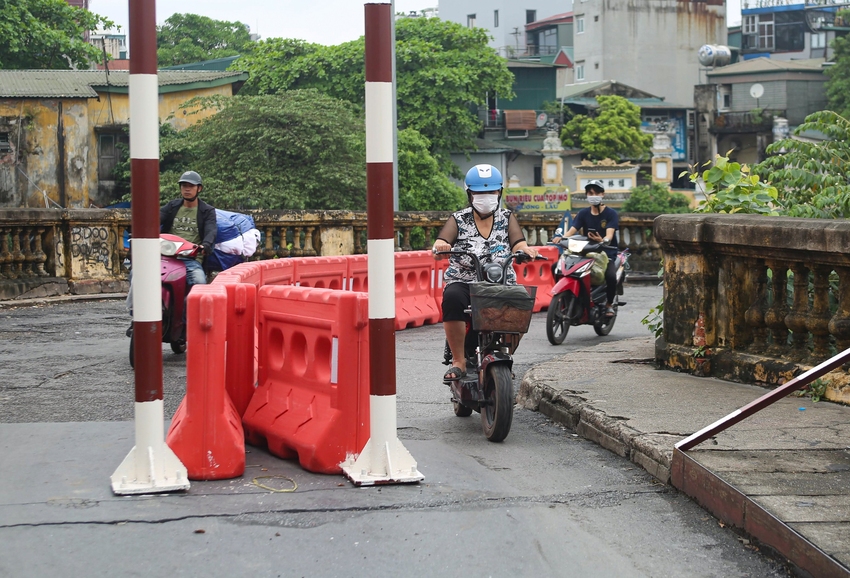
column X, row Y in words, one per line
column 494, row 249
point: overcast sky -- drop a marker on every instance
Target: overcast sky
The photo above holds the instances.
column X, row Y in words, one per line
column 320, row 21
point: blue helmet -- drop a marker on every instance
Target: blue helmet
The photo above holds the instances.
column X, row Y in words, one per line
column 483, row 178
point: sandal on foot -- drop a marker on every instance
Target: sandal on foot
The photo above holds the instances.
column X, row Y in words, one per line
column 609, row 312
column 454, row 374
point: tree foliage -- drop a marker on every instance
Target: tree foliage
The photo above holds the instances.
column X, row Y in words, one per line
column 421, row 184
column 656, row 198
column 186, row 38
column 296, row 150
column 731, row 188
column 838, row 85
column 442, row 70
column 47, row 34
column 812, row 177
column 612, row 132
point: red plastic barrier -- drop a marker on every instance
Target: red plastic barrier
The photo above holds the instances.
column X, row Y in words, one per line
column 206, row 432
column 278, row 272
column 313, row 395
column 246, row 272
column 240, row 365
column 320, row 272
column 539, row 274
column 357, row 273
column 414, row 297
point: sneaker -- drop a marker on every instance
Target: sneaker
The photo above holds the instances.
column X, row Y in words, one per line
column 129, row 332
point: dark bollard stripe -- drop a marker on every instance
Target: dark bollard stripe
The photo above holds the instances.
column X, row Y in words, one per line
column 147, row 343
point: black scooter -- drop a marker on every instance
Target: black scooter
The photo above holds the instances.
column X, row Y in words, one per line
column 498, row 316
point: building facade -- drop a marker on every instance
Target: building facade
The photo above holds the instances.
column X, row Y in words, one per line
column 504, row 20
column 651, row 45
column 60, row 130
column 789, row 29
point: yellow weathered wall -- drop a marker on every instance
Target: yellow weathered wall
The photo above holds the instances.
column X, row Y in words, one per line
column 22, row 185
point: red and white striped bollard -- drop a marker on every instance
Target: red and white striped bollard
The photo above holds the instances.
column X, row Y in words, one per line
column 151, row 466
column 384, row 459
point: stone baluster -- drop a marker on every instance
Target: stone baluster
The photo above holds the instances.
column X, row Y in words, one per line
column 405, row 239
column 397, row 239
column 775, row 315
column 755, row 313
column 17, row 255
column 839, row 325
column 308, row 243
column 5, row 254
column 27, row 243
column 268, row 250
column 296, row 250
column 429, row 237
column 796, row 318
column 818, row 320
column 39, row 257
column 358, row 240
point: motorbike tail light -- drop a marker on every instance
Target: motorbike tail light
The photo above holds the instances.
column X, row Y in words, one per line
column 168, row 248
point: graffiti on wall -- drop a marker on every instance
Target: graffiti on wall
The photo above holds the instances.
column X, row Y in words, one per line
column 92, row 246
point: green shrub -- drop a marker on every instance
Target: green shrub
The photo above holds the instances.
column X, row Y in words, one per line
column 656, row 198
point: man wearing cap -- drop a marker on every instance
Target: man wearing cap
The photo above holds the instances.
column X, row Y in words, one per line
column 192, row 219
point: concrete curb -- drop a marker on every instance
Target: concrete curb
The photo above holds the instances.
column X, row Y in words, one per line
column 653, row 452
column 9, row 303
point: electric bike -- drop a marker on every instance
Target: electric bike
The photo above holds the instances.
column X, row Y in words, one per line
column 498, row 317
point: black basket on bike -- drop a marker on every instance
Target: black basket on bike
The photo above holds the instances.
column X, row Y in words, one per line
column 504, row 308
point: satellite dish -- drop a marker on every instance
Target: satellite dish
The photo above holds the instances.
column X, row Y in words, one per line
column 756, row 90
column 541, row 119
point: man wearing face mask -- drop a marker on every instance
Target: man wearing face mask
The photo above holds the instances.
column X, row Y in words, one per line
column 600, row 224
column 486, row 230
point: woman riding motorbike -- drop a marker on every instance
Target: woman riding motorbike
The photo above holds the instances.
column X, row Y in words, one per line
column 487, row 231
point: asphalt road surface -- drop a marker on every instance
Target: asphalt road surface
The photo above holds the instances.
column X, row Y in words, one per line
column 543, row 503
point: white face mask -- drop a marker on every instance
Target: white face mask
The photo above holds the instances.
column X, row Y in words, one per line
column 485, row 204
column 594, row 200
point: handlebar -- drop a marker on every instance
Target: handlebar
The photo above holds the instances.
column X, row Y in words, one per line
column 518, row 256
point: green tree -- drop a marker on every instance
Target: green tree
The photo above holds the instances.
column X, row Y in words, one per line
column 443, row 70
column 731, row 188
column 421, row 184
column 812, row 177
column 186, row 38
column 612, row 132
column 656, row 198
column 296, row 150
column 47, row 34
column 838, row 85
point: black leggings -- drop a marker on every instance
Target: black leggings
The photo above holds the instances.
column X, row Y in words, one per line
column 455, row 302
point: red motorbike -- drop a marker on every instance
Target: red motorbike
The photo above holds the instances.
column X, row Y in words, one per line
column 174, row 289
column 575, row 300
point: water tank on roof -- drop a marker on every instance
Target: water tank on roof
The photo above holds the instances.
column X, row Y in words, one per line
column 714, row 55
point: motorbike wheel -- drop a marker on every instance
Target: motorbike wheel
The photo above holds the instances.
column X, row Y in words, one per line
column 132, row 347
column 557, row 322
column 603, row 326
column 461, row 410
column 497, row 414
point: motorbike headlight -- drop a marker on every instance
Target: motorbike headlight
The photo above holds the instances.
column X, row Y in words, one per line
column 168, row 248
column 493, row 273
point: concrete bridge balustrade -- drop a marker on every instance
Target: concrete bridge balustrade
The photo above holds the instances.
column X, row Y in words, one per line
column 52, row 251
column 755, row 299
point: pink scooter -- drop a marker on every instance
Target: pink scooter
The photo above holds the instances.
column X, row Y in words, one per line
column 173, row 276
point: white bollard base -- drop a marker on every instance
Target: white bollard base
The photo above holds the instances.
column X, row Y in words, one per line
column 393, row 465
column 174, row 475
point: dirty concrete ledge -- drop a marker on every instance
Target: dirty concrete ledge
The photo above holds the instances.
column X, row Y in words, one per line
column 652, row 452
